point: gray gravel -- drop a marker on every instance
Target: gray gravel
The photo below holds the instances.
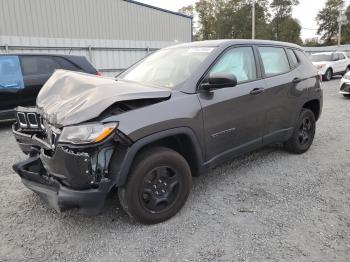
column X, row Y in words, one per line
column 266, row 206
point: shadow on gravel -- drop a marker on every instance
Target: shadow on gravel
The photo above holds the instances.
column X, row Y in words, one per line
column 6, row 124
column 113, row 214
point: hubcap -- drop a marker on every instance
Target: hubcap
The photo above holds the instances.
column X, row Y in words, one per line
column 305, row 131
column 160, row 189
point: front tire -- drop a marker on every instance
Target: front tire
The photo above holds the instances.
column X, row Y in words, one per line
column 304, row 133
column 158, row 186
column 328, row 75
column 346, row 95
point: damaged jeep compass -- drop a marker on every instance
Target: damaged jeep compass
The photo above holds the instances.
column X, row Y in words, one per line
column 173, row 115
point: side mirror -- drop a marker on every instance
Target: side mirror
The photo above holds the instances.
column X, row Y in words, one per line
column 220, row 80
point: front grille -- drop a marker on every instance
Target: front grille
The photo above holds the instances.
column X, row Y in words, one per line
column 28, row 119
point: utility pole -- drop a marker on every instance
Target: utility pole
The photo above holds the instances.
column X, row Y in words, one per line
column 253, row 19
column 342, row 20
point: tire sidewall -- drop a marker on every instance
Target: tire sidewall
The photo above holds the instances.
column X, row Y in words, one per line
column 147, row 162
column 298, row 148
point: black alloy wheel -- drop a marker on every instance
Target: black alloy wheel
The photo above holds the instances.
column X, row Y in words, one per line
column 160, row 189
column 158, row 185
column 305, row 131
column 303, row 134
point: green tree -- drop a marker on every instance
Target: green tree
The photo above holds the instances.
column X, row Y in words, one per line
column 312, row 42
column 284, row 27
column 346, row 28
column 187, row 10
column 327, row 21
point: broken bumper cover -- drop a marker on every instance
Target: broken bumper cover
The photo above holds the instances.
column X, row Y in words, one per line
column 58, row 196
column 64, row 178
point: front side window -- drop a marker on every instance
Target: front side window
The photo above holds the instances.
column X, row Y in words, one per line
column 341, row 56
column 274, row 60
column 10, row 73
column 238, row 61
column 168, row 67
column 38, row 65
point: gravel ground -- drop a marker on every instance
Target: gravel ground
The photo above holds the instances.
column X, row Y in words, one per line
column 266, row 206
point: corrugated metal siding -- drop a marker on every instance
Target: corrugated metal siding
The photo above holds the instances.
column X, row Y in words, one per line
column 72, row 26
column 92, row 19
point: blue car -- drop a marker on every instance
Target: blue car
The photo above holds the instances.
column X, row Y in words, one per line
column 23, row 75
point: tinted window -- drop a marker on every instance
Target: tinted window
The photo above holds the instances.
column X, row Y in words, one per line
column 293, row 58
column 335, row 57
column 10, row 73
column 66, row 64
column 341, row 56
column 238, row 61
column 275, row 60
column 38, row 65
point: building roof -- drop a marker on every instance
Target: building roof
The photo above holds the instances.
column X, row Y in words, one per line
column 158, row 8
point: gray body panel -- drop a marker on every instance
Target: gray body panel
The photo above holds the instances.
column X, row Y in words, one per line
column 207, row 126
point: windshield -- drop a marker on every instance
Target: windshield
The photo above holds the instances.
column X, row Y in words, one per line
column 321, row 58
column 168, row 67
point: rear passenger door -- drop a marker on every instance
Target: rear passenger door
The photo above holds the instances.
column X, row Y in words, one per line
column 343, row 63
column 281, row 80
column 36, row 71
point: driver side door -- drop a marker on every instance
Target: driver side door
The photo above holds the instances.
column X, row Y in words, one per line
column 234, row 117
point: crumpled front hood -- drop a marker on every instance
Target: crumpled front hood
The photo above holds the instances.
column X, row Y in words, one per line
column 69, row 98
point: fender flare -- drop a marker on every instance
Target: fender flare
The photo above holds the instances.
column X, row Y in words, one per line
column 123, row 165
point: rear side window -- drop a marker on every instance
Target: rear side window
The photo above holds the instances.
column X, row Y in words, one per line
column 274, row 60
column 341, row 56
column 66, row 64
column 38, row 65
column 238, row 61
column 10, row 73
column 293, row 58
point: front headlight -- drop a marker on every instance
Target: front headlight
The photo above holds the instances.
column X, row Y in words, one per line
column 320, row 66
column 346, row 77
column 87, row 134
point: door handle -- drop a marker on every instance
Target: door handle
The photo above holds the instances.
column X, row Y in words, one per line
column 257, row 91
column 296, row 80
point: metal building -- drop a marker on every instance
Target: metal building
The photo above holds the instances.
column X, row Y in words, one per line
column 112, row 34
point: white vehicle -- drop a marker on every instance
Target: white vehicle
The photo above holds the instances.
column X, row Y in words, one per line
column 330, row 64
column 345, row 85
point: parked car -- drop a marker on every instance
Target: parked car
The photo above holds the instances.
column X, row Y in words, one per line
column 331, row 63
column 173, row 115
column 345, row 85
column 23, row 75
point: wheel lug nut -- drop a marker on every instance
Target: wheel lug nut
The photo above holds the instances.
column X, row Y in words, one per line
column 157, row 193
column 160, row 181
column 163, row 191
column 165, row 184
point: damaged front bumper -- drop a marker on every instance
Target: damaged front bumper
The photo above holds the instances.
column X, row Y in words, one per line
column 65, row 176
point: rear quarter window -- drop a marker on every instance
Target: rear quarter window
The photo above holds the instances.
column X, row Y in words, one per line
column 293, row 58
column 274, row 60
column 66, row 64
column 10, row 73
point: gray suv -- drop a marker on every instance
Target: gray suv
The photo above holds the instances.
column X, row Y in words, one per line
column 174, row 115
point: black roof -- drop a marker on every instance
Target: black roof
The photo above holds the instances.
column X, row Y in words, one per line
column 228, row 42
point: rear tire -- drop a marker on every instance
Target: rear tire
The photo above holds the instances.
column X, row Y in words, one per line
column 328, row 75
column 304, row 133
column 158, row 186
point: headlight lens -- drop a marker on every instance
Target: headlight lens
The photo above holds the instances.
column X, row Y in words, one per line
column 347, row 77
column 87, row 134
column 320, row 66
